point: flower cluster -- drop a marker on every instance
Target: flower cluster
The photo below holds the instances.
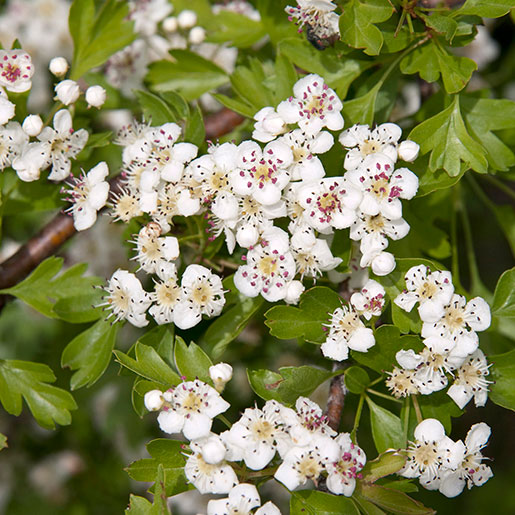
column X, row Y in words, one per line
column 317, row 16
column 442, row 464
column 299, row 443
column 449, row 325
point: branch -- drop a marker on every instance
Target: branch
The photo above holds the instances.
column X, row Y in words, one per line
column 60, row 229
column 335, row 402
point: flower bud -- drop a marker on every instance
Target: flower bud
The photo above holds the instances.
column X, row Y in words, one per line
column 95, row 96
column 247, row 235
column 383, row 263
column 170, row 24
column 67, row 91
column 187, row 19
column 220, row 374
column 7, row 109
column 32, row 125
column 213, row 450
column 293, row 293
column 408, row 151
column 58, row 66
column 153, row 400
column 197, row 35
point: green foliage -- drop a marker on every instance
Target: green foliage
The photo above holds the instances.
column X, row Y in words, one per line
column 192, row 362
column 386, row 428
column 48, row 404
column 503, row 374
column 386, row 464
column 235, row 29
column 90, row 353
column 504, row 296
column 306, row 321
column 60, row 296
column 485, row 8
column 289, row 384
column 315, row 503
column 356, row 380
column 97, row 34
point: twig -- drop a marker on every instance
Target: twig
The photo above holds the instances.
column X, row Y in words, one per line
column 60, row 229
column 335, row 401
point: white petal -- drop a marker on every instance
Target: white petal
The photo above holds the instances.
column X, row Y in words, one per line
column 429, row 430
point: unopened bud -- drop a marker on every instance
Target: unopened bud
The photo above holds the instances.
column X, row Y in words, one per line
column 67, row 91
column 95, row 96
column 170, row 24
column 383, row 263
column 408, row 151
column 220, row 374
column 197, row 35
column 293, row 293
column 153, row 400
column 187, row 19
column 58, row 66
column 32, row 125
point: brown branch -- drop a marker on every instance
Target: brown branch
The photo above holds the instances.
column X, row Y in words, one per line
column 60, row 229
column 335, row 402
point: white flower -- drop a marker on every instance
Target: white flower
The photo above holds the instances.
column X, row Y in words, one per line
column 146, row 14
column 211, row 447
column 154, row 400
column 382, row 263
column 270, row 267
column 303, row 463
column 125, row 205
column 194, row 405
column 328, row 203
column 408, row 151
column 346, row 331
column 154, row 249
column 257, row 434
column 262, row 174
column 88, row 194
column 203, row 294
column 432, row 290
column 7, row 109
column 470, row 471
column 58, row 66
column 431, row 450
column 382, row 186
column 362, row 142
column 127, row 299
column 12, row 141
column 173, row 200
column 470, row 381
column 220, row 374
column 67, row 91
column 197, row 35
column 65, row 144
column 342, row 473
column 95, row 96
column 209, row 478
column 313, row 106
column 167, row 294
column 32, row 125
column 401, row 382
column 34, row 157
column 294, row 291
column 370, row 300
column 459, row 323
column 16, row 70
column 306, row 166
column 187, row 19
column 317, row 15
column 268, row 125
column 242, row 499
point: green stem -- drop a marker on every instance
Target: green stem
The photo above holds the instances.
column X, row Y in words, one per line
column 455, row 266
column 383, row 395
column 418, row 413
column 499, row 184
column 375, row 381
column 270, row 471
column 225, row 421
column 405, row 422
column 357, row 418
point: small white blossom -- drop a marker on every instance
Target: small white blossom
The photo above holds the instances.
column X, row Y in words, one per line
column 32, row 125
column 12, row 141
column 408, row 151
column 197, row 35
column 314, row 106
column 242, row 499
column 432, row 290
column 7, row 109
column 317, row 15
column 346, row 331
column 67, row 91
column 154, row 400
column 209, row 478
column 34, row 157
column 268, row 125
column 220, row 374
column 187, row 19
column 58, row 66
column 95, row 96
column 294, row 291
column 88, row 194
column 167, row 294
column 16, row 70
column 370, row 300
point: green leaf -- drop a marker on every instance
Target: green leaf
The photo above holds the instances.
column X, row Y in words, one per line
column 311, row 502
column 390, row 500
column 486, row 8
column 228, row 326
column 42, row 286
column 189, row 74
column 192, row 361
column 249, row 81
column 97, row 35
column 165, row 453
column 160, row 504
column 3, row 441
column 442, row 24
column 236, row 29
column 385, row 465
column 356, row 380
column 161, row 339
column 155, row 109
column 90, row 353
column 504, row 296
column 386, row 428
column 48, row 404
column 450, row 144
column 285, row 77
column 238, row 106
column 502, row 392
column 432, row 60
column 361, row 110
column 138, row 506
column 357, row 27
column 290, row 384
column 139, row 389
column 306, row 321
column 381, row 357
column 148, row 364
column 440, row 406
column 338, row 73
column 195, row 131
